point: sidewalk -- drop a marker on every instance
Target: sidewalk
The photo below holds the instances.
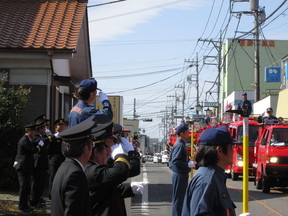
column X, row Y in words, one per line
column 9, row 206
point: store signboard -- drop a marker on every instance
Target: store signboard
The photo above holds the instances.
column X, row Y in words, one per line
column 273, row 74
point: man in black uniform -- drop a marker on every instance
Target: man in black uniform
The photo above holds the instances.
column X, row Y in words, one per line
column 207, row 193
column 24, row 165
column 40, row 163
column 119, row 141
column 70, row 193
column 55, row 150
column 245, row 104
column 107, row 192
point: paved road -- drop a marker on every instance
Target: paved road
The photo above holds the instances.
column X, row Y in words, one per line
column 156, row 200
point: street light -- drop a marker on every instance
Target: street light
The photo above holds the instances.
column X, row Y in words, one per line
column 198, row 108
column 208, row 111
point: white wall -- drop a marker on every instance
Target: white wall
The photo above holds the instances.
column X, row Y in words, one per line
column 261, row 106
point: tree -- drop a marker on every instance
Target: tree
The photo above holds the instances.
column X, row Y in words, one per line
column 12, row 100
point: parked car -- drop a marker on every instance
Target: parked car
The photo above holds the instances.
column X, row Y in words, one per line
column 164, row 158
column 143, row 158
column 157, row 158
column 149, row 158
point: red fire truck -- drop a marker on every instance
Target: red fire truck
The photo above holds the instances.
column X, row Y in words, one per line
column 172, row 140
column 271, row 157
column 236, row 130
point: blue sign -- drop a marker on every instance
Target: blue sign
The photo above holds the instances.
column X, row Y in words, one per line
column 272, row 74
column 286, row 70
column 197, row 116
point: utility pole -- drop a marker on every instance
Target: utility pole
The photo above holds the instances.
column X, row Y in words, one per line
column 189, row 78
column 134, row 109
column 218, row 46
column 254, row 6
column 259, row 15
column 183, row 97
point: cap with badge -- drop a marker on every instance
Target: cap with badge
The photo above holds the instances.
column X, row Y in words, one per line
column 117, row 129
column 88, row 84
column 41, row 121
column 244, row 93
column 269, row 109
column 215, row 136
column 59, row 122
column 30, row 127
column 182, row 128
column 101, row 132
column 80, row 131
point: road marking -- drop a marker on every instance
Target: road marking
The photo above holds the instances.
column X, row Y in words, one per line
column 144, row 206
column 260, row 202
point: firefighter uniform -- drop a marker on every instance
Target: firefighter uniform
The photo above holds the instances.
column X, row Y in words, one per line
column 208, row 193
column 178, row 163
column 82, row 110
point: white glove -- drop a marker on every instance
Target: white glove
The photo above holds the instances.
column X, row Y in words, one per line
column 41, row 143
column 102, row 97
column 48, row 132
column 15, row 163
column 138, row 187
column 116, row 150
column 245, row 214
column 126, row 145
column 191, row 164
column 56, row 135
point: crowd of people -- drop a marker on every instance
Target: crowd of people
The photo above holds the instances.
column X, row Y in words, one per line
column 87, row 159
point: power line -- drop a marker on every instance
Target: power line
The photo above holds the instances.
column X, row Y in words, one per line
column 262, row 21
column 149, row 84
column 138, row 11
column 97, row 5
column 138, row 74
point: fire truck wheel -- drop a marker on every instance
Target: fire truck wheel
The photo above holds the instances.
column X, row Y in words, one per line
column 265, row 185
column 258, row 183
column 234, row 176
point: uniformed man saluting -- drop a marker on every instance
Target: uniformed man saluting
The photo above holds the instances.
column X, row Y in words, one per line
column 207, row 193
column 107, row 192
column 85, row 108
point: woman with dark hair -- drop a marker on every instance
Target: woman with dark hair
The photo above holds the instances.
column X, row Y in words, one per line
column 207, row 193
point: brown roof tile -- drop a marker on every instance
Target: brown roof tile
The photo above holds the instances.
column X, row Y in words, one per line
column 35, row 24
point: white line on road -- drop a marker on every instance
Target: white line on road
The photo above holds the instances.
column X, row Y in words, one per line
column 144, row 206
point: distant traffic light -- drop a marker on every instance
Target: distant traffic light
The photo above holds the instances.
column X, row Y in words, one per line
column 147, row 120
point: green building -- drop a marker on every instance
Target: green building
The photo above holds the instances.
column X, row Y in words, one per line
column 238, row 65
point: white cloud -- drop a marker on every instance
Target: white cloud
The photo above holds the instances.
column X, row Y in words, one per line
column 109, row 21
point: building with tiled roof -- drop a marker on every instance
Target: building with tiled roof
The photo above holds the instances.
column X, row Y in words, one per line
column 45, row 45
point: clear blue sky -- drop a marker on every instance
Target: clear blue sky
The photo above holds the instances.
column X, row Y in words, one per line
column 138, row 43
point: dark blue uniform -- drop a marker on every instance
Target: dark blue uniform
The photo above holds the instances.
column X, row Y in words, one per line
column 178, row 163
column 270, row 119
column 82, row 110
column 245, row 105
column 207, row 194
